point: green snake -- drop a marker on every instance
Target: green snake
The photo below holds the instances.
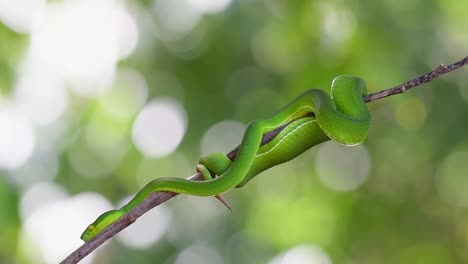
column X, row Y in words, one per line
column 311, row 118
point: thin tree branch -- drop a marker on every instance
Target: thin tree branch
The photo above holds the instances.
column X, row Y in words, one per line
column 155, row 199
column 441, row 69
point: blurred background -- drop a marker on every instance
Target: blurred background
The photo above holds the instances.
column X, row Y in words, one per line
column 97, row 98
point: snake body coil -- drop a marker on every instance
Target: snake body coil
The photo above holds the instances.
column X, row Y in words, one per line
column 312, row 117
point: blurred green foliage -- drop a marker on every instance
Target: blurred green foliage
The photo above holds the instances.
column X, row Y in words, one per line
column 248, row 61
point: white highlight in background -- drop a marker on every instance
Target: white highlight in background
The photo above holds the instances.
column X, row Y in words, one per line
column 148, row 229
column 42, row 165
column 39, row 96
column 20, row 15
column 342, row 168
column 38, row 196
column 51, row 232
column 222, row 136
column 199, row 254
column 337, row 25
column 303, row 254
column 81, row 41
column 159, row 127
column 176, row 18
column 209, row 6
column 17, row 139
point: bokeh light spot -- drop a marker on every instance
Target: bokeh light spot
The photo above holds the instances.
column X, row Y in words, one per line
column 42, row 165
column 176, row 18
column 199, row 254
column 54, row 230
column 222, row 136
column 83, row 52
column 451, row 179
column 338, row 25
column 209, row 6
column 148, row 229
column 20, row 15
column 39, row 195
column 40, row 96
column 17, row 139
column 303, row 254
column 126, row 31
column 159, row 127
column 342, row 168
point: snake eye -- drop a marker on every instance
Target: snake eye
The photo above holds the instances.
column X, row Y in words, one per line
column 90, row 228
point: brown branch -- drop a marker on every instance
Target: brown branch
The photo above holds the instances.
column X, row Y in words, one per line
column 442, row 69
column 155, row 199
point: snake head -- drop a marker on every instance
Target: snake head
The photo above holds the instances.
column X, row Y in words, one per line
column 100, row 224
